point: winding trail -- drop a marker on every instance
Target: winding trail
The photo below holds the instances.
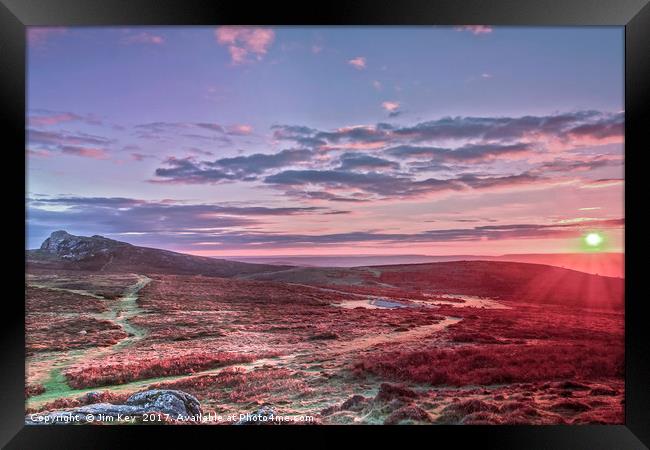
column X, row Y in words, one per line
column 120, row 312
column 127, row 307
column 364, row 342
column 282, row 361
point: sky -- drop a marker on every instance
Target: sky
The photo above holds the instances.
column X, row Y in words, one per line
column 243, row 141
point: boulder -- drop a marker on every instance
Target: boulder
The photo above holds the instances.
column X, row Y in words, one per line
column 388, row 392
column 167, row 401
column 170, row 402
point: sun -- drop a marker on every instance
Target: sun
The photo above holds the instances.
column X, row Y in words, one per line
column 593, row 239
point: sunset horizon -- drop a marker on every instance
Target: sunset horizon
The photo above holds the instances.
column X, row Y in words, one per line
column 325, row 225
column 278, row 140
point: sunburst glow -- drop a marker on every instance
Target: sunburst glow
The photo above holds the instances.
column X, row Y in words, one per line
column 593, row 239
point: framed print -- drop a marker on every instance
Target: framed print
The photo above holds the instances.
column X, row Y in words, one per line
column 412, row 219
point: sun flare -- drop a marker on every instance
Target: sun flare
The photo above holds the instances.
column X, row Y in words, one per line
column 593, row 239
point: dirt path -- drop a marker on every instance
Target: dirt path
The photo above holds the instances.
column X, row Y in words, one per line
column 365, row 342
column 283, row 361
column 120, row 312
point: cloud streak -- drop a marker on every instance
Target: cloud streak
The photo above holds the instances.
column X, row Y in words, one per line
column 127, row 215
column 226, row 226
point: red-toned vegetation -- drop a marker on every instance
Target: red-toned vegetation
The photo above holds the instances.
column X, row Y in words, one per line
column 523, row 322
column 120, row 372
column 47, row 332
column 519, row 282
column 33, row 389
column 241, row 386
column 43, row 300
column 109, row 286
column 86, row 399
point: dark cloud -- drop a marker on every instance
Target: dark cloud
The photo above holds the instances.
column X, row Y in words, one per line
column 173, row 205
column 385, row 186
column 199, row 151
column 301, row 135
column 115, row 215
column 467, row 153
column 245, row 168
column 570, row 165
column 370, row 182
column 187, row 170
column 362, row 161
column 57, row 139
column 488, row 232
column 259, row 162
column 505, row 129
column 612, row 126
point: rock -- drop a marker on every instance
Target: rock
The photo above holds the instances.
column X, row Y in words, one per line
column 324, row 336
column 167, row 401
column 389, row 392
column 456, row 411
column 170, row 402
column 91, row 397
column 329, row 410
column 76, row 248
column 408, row 414
column 354, row 403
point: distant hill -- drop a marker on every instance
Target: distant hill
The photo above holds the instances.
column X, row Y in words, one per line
column 607, row 264
column 63, row 251
column 531, row 283
column 514, row 281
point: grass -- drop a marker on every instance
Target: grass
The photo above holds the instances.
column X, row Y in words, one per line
column 204, row 335
column 124, row 371
column 497, row 364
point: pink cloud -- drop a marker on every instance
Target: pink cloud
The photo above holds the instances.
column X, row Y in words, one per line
column 56, row 118
column 358, row 63
column 604, row 183
column 53, row 119
column 144, row 38
column 240, row 130
column 40, row 35
column 390, row 106
column 243, row 42
column 86, row 152
column 475, row 29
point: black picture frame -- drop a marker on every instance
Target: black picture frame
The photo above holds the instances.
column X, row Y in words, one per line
column 634, row 15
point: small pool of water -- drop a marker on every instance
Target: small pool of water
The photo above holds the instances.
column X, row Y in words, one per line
column 376, row 303
column 457, row 301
